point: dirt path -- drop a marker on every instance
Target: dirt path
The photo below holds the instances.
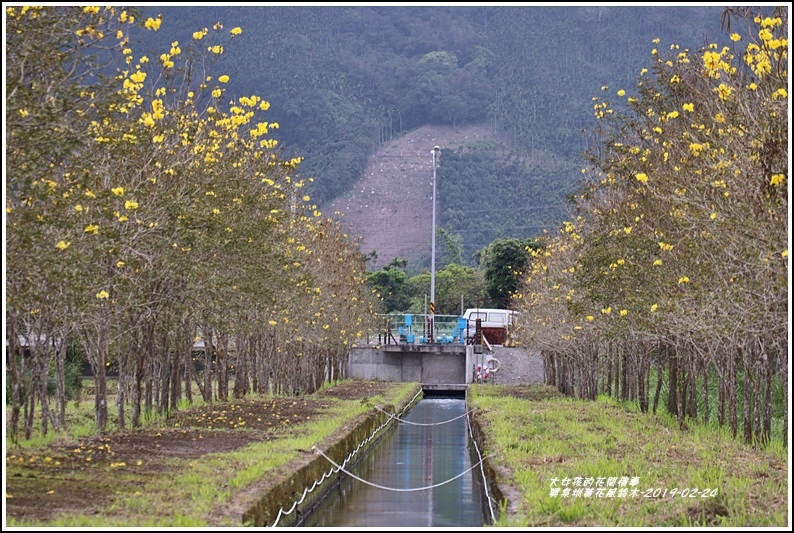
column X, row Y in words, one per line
column 85, row 476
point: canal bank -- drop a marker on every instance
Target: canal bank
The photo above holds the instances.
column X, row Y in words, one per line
column 319, row 493
column 305, row 481
column 423, row 473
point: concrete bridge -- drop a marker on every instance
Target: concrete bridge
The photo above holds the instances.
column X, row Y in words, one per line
column 436, row 366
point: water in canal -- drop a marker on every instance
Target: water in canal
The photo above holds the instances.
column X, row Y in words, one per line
column 408, row 457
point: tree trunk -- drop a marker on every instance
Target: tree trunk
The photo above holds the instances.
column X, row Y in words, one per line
column 240, row 368
column 206, row 391
column 672, row 397
column 121, row 399
column 659, row 381
column 15, row 351
column 682, row 384
column 624, row 373
column 766, row 430
column 98, row 351
column 693, row 396
column 223, row 367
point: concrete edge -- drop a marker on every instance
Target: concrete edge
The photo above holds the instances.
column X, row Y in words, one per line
column 501, row 493
column 260, row 508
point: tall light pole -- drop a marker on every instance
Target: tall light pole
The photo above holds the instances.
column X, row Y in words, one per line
column 431, row 336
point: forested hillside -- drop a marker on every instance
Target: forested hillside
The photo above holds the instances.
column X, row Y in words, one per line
column 345, row 78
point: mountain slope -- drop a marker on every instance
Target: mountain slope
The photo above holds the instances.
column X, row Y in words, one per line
column 390, row 206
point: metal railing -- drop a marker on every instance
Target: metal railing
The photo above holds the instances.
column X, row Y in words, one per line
column 406, row 328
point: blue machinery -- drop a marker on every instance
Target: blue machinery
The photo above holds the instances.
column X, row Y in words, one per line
column 448, row 329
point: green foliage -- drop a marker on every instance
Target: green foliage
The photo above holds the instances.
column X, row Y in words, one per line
column 506, row 261
column 453, row 282
column 390, row 284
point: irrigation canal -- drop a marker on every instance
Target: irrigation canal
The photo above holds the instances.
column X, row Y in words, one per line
column 388, row 486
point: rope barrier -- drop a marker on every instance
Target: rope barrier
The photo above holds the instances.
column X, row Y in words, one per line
column 394, row 489
column 328, row 474
column 482, row 470
column 420, row 424
column 337, row 468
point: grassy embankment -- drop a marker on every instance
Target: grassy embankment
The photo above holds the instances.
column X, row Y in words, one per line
column 543, row 438
column 137, row 490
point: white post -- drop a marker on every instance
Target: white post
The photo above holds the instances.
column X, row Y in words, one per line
column 431, row 336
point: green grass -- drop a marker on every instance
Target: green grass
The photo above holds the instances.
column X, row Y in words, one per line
column 190, row 489
column 544, row 441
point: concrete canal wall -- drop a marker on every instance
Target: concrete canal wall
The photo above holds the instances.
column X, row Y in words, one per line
column 429, row 364
column 313, row 476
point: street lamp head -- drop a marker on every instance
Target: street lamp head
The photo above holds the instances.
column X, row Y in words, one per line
column 436, row 148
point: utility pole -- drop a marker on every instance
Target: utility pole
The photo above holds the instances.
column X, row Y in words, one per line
column 431, row 336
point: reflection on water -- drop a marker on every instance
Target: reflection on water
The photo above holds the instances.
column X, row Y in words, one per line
column 410, row 457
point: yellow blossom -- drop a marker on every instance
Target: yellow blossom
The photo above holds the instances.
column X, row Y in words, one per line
column 689, row 107
column 138, row 77
column 92, row 228
column 102, row 294
column 624, row 312
column 118, row 191
column 777, row 179
column 223, row 79
column 642, row 177
column 590, row 318
column 63, row 245
column 735, row 37
column 236, row 31
column 724, row 91
column 683, row 279
column 654, row 307
column 153, row 24
column 131, row 205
